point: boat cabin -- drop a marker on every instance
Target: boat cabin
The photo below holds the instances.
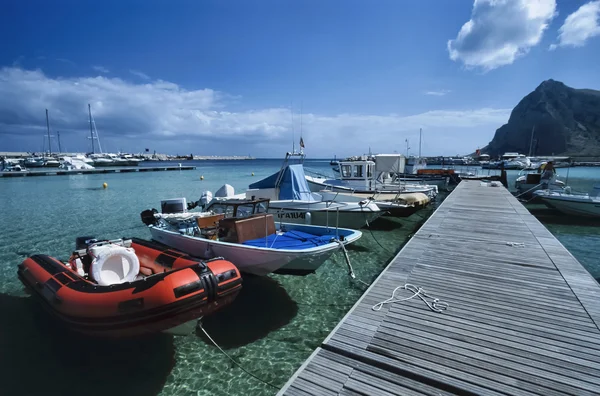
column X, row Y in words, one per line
column 509, row 156
column 367, row 173
column 357, row 170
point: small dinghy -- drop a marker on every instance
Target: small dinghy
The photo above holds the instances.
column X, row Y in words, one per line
column 129, row 287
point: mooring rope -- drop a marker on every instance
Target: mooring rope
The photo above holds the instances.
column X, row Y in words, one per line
column 233, row 360
column 515, row 244
column 350, row 270
column 531, row 189
column 436, row 305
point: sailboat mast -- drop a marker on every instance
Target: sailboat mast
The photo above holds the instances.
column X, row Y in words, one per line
column 293, row 134
column 420, row 138
column 58, row 135
column 91, row 129
column 531, row 141
column 48, row 128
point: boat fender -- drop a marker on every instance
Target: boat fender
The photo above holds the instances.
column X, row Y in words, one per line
column 113, row 265
column 79, row 267
column 307, row 218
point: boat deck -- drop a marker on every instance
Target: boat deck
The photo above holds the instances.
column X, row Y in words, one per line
column 523, row 313
column 61, row 172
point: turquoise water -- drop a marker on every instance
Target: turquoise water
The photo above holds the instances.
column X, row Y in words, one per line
column 273, row 326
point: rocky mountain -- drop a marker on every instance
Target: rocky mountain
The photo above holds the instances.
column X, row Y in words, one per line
column 565, row 121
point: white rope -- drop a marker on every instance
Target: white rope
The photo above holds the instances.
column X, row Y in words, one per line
column 233, row 360
column 515, row 244
column 436, row 305
column 531, row 189
column 350, row 270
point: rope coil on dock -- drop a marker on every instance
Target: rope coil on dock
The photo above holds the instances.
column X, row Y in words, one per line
column 436, row 305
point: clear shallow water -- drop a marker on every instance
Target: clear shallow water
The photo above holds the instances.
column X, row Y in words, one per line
column 273, row 326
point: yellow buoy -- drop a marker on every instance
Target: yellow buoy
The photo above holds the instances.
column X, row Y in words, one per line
column 252, row 173
column 105, row 185
column 201, row 177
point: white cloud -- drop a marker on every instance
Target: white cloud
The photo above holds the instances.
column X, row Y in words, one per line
column 500, row 31
column 166, row 117
column 101, row 69
column 140, row 74
column 441, row 92
column 579, row 26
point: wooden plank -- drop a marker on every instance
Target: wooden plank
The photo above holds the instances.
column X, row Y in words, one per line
column 522, row 319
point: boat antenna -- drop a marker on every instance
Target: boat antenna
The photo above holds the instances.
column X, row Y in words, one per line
column 48, row 128
column 301, row 141
column 531, row 141
column 293, row 134
column 91, row 129
column 420, row 138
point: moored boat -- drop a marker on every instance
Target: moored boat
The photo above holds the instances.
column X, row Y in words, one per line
column 578, row 204
column 129, row 287
column 242, row 232
column 292, row 201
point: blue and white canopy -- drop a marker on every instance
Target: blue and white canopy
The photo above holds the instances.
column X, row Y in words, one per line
column 293, row 184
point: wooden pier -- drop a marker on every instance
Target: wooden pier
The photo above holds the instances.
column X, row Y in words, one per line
column 62, row 172
column 523, row 313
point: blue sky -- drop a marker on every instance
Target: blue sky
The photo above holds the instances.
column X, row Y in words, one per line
column 219, row 77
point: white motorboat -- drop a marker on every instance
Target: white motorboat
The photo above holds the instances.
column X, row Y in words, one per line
column 292, row 201
column 527, row 184
column 246, row 235
column 392, row 204
column 578, row 204
column 385, row 174
column 74, row 163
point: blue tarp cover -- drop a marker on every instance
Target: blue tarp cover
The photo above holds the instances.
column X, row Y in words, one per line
column 293, row 184
column 292, row 240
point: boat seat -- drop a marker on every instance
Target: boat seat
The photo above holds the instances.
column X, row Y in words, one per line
column 209, row 221
column 249, row 228
column 149, row 266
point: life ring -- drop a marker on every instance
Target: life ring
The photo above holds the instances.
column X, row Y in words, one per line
column 114, row 265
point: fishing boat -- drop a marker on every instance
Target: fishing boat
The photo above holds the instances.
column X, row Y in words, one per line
column 393, row 205
column 292, row 201
column 243, row 232
column 385, row 174
column 129, row 287
column 578, row 204
column 528, row 183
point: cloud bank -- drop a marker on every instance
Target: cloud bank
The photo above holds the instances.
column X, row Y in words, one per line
column 580, row 26
column 500, row 31
column 168, row 118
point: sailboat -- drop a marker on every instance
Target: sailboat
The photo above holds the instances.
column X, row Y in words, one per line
column 43, row 161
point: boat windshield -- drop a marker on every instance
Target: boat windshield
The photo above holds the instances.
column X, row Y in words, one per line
column 240, row 209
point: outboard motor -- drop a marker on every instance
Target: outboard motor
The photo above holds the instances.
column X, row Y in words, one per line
column 83, row 242
column 205, row 199
column 225, row 191
column 148, row 216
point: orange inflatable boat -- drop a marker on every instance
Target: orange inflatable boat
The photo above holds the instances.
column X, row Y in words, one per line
column 129, row 287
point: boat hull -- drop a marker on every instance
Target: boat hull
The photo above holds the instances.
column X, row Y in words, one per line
column 158, row 302
column 258, row 261
column 578, row 207
column 352, row 219
column 317, row 185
